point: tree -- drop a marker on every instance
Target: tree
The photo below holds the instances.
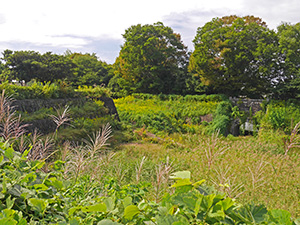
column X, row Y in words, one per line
column 152, row 59
column 235, row 56
column 28, row 65
column 89, row 70
column 289, row 48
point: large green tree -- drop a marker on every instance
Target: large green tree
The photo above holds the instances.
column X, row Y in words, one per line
column 28, row 65
column 153, row 59
column 236, row 56
column 288, row 85
column 89, row 69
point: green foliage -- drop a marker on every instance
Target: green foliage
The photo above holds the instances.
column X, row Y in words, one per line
column 38, row 90
column 28, row 65
column 89, row 70
column 29, row 195
column 167, row 113
column 153, row 60
column 235, row 56
column 93, row 92
column 279, row 115
column 289, row 40
column 222, row 118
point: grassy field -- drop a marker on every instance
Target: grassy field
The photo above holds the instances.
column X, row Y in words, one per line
column 248, row 168
column 245, row 168
column 90, row 181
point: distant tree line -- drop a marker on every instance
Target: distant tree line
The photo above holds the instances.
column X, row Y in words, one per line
column 236, row 56
column 74, row 68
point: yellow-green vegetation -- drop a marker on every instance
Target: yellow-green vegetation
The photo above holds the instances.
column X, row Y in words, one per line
column 168, row 113
column 156, row 179
column 246, row 168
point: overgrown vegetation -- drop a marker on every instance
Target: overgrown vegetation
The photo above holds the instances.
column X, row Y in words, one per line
column 54, row 179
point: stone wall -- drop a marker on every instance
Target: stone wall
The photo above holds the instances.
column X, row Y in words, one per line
column 47, row 125
column 32, row 105
column 246, row 104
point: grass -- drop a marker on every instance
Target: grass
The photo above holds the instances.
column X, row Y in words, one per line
column 247, row 170
column 171, row 115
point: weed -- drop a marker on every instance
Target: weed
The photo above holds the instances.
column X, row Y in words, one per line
column 213, row 151
column 293, row 141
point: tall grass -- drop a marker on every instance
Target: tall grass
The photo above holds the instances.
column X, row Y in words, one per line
column 248, row 170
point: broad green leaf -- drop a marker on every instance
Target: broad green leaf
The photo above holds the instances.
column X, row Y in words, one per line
column 56, row 183
column 8, row 221
column 171, row 219
column 207, row 202
column 197, row 205
column 227, row 203
column 36, row 165
column 142, row 205
column 127, row 201
column 10, row 202
column 22, row 221
column 8, row 212
column 251, row 213
column 40, row 187
column 58, row 165
column 110, row 204
column 130, row 211
column 101, row 207
column 39, row 205
column 9, row 153
column 181, row 175
column 74, row 221
column 198, row 183
column 1, row 158
column 15, row 190
column 182, row 182
column 72, row 210
column 108, row 222
column 278, row 216
column 216, row 213
column 30, row 177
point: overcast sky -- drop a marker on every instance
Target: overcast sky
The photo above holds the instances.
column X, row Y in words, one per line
column 96, row 26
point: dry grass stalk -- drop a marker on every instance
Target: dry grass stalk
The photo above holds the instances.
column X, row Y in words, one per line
column 81, row 159
column 76, row 162
column 10, row 124
column 226, row 182
column 257, row 175
column 41, row 149
column 61, row 118
column 65, row 150
column 294, row 140
column 139, row 169
column 213, row 152
column 163, row 172
column 99, row 140
column 100, row 167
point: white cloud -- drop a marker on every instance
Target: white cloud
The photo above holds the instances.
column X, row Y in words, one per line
column 63, row 24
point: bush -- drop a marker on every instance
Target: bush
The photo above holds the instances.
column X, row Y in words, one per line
column 222, row 119
column 167, row 113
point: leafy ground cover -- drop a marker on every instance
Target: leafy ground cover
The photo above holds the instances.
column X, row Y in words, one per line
column 248, row 179
column 166, row 113
column 32, row 196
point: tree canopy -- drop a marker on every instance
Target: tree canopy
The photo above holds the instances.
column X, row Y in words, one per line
column 152, row 59
column 235, row 56
column 89, row 70
column 28, row 65
column 76, row 68
column 289, row 49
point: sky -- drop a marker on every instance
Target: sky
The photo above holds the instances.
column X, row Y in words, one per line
column 96, row 26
